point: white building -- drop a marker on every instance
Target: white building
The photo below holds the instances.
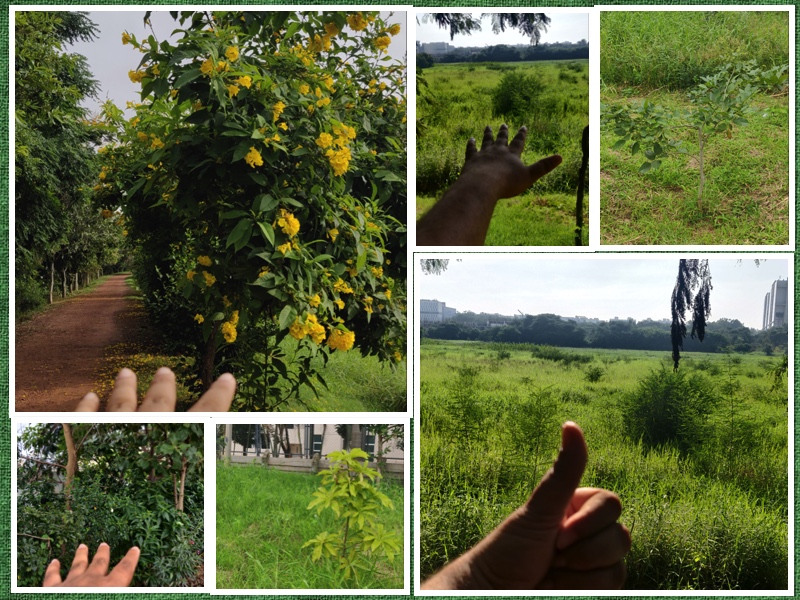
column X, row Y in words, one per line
column 433, row 311
column 776, row 304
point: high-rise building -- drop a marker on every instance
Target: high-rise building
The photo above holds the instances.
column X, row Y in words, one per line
column 433, row 311
column 776, row 304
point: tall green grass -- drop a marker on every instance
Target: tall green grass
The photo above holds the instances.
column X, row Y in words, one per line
column 262, row 524
column 707, row 512
column 459, row 106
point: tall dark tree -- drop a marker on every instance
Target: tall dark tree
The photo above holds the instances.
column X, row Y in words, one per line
column 529, row 24
column 692, row 292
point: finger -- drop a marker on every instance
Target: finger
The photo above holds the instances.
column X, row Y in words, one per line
column 607, row 578
column 603, row 549
column 541, row 168
column 502, row 135
column 52, row 576
column 554, row 493
column 99, row 566
column 122, row 574
column 518, row 143
column 219, row 396
column 89, row 403
column 161, row 396
column 487, row 137
column 123, row 396
column 588, row 515
column 472, row 150
column 80, row 562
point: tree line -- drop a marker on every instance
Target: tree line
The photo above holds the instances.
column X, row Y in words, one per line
column 548, row 329
column 505, row 53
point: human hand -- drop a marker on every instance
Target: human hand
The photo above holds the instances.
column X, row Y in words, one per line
column 83, row 574
column 162, row 395
column 499, row 165
column 563, row 537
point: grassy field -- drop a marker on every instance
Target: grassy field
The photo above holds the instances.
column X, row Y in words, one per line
column 262, row 524
column 458, row 103
column 699, row 457
column 746, row 195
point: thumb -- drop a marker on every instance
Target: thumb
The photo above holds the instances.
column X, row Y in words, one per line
column 554, row 493
column 542, row 167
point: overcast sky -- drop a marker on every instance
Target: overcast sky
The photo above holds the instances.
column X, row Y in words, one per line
column 598, row 287
column 110, row 61
column 564, row 27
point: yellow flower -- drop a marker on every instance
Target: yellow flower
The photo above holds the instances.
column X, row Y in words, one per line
column 356, row 21
column 277, row 109
column 154, row 70
column 253, row 158
column 283, row 126
column 297, row 330
column 368, row 305
column 284, row 248
column 263, row 271
column 328, row 81
column 304, row 89
column 222, row 65
column 226, row 302
column 156, row 144
column 315, row 331
column 388, row 294
column 126, row 38
column 382, row 85
column 332, row 233
column 204, row 260
column 339, row 304
column 323, row 102
column 382, row 43
column 107, row 214
column 341, row 339
column 288, row 223
column 207, row 67
column 314, row 301
column 340, row 160
column 377, row 271
column 235, row 318
column 342, row 287
column 398, row 356
column 394, row 29
column 318, row 92
column 136, row 76
column 190, row 275
column 233, row 90
column 210, row 279
column 199, row 318
column 229, row 332
column 276, row 138
column 324, row 140
column 244, row 81
column 331, row 29
column 232, row 53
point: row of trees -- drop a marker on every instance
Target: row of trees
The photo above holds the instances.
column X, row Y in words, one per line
column 504, row 53
column 61, row 239
column 123, row 484
column 720, row 335
column 263, row 180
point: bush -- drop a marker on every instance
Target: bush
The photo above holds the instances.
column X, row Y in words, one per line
column 669, row 407
column 516, row 97
column 29, row 295
column 593, row 373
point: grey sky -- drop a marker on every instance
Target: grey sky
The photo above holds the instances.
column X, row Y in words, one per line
column 564, row 27
column 596, row 287
column 110, row 61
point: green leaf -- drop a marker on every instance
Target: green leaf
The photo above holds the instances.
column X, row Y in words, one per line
column 291, row 30
column 634, row 148
column 287, row 316
column 186, row 77
column 242, row 149
column 240, row 234
column 619, row 144
column 233, row 214
column 267, row 232
column 645, row 167
column 655, row 164
column 258, row 178
column 264, row 203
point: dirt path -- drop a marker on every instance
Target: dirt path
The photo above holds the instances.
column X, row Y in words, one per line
column 59, row 352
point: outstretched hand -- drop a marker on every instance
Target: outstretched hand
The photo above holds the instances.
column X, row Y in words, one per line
column 499, row 165
column 462, row 215
column 83, row 574
column 563, row 537
column 162, row 395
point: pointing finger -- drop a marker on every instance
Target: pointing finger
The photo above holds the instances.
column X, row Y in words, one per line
column 161, row 396
column 81, row 560
column 122, row 574
column 219, row 396
column 89, row 403
column 102, row 557
column 123, row 396
column 52, row 576
column 487, row 137
column 518, row 143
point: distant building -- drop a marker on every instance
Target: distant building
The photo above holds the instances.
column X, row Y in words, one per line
column 433, row 311
column 435, row 47
column 776, row 304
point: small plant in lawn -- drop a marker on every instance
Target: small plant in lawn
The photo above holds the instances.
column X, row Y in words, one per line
column 720, row 102
column 594, row 373
column 347, row 489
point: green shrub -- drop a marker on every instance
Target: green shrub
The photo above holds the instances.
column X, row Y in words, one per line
column 29, row 295
column 669, row 407
column 517, row 95
column 594, row 373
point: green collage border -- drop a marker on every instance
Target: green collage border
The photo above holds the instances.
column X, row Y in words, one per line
column 5, row 150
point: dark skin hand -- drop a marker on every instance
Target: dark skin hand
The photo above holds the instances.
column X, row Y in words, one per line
column 563, row 537
column 462, row 216
column 162, row 395
column 84, row 574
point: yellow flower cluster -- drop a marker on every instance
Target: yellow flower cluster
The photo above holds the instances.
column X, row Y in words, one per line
column 204, row 260
column 394, row 29
column 253, row 158
column 244, row 81
column 341, row 340
column 333, row 233
column 229, row 332
column 199, row 318
column 136, row 76
column 210, row 279
column 126, row 38
column 207, row 67
column 287, row 222
column 190, row 275
column 342, row 287
column 233, row 90
column 107, row 214
column 382, row 43
column 324, row 140
column 339, row 156
column 340, row 160
column 277, row 109
column 156, row 144
column 304, row 88
column 331, row 29
column 310, row 327
column 284, row 248
column 314, row 301
column 232, row 53
column 356, row 21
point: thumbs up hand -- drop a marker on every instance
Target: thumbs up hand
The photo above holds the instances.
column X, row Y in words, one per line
column 563, row 537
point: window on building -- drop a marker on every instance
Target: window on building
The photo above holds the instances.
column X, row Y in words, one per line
column 368, row 443
column 316, row 444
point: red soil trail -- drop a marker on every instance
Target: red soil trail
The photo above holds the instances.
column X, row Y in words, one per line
column 59, row 352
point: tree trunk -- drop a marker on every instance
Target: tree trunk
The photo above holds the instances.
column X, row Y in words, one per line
column 179, row 489
column 72, row 463
column 228, row 443
column 207, row 367
column 64, row 283
column 52, row 280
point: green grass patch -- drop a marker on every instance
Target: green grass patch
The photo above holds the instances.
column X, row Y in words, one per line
column 262, row 524
column 708, row 507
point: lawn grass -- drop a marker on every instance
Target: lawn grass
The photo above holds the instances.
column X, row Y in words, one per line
column 458, row 105
column 262, row 524
column 712, row 517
